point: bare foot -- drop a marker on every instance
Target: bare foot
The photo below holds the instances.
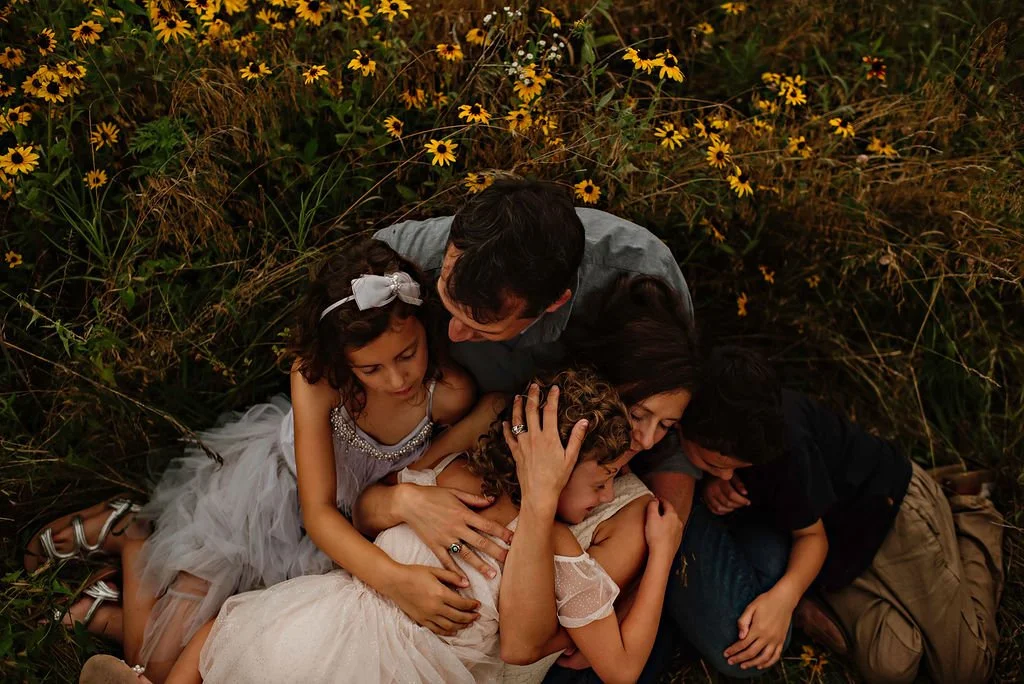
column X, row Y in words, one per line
column 93, row 520
column 819, row 625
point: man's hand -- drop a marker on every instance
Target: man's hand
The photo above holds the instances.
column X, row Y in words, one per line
column 725, row 496
column 762, row 631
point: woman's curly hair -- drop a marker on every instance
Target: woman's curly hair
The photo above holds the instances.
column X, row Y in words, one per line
column 320, row 345
column 582, row 395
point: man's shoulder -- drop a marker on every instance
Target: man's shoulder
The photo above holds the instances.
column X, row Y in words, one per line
column 618, row 242
column 422, row 242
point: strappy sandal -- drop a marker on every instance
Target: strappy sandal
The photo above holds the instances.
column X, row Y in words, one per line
column 106, row 669
column 99, row 590
column 41, row 548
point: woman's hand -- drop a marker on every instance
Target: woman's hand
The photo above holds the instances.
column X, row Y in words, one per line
column 663, row 528
column 441, row 516
column 762, row 630
column 725, row 496
column 425, row 594
column 543, row 465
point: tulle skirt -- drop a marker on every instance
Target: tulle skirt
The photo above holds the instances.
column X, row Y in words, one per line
column 223, row 529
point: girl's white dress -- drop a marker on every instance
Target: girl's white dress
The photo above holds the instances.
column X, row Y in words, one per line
column 222, row 529
column 334, row 628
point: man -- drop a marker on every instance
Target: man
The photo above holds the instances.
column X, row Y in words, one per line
column 515, row 264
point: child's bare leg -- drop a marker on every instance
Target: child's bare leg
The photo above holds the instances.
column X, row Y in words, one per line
column 186, row 668
column 136, row 602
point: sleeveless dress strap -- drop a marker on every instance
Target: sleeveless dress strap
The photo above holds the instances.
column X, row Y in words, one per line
column 430, row 400
column 445, row 462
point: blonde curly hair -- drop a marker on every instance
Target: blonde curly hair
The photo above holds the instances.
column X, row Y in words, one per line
column 582, row 395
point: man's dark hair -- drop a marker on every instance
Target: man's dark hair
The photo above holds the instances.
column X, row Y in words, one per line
column 518, row 238
column 737, row 409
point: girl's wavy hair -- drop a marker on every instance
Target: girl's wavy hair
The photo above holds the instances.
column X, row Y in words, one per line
column 581, row 395
column 319, row 345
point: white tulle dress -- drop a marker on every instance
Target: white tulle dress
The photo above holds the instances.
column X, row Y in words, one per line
column 333, row 628
column 222, row 529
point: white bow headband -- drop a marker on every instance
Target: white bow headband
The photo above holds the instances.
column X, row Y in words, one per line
column 373, row 291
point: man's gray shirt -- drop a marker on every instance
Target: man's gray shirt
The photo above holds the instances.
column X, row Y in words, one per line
column 613, row 246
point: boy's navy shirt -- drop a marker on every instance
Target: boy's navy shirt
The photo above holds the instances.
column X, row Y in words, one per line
column 833, row 470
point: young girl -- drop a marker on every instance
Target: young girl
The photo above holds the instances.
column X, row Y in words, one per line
column 333, row 628
column 367, row 387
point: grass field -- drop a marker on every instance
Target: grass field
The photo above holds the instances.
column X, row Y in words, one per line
column 842, row 182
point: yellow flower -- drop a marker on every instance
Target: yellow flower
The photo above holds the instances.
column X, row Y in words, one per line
column 587, row 191
column 13, row 259
column 799, row 146
column 71, row 69
column 271, row 19
column 527, row 89
column 741, row 305
column 739, row 181
column 443, row 152
column 477, row 182
column 813, row 282
column 671, row 137
column 53, row 91
column 11, row 57
column 15, row 117
column 476, row 36
column 769, row 276
column 705, row 28
column 172, row 28
column 104, row 133
column 670, row 67
column 711, row 230
column 547, row 123
column 313, row 11
column 207, row 9
column 413, row 99
column 46, row 42
column 394, row 127
column 734, row 7
column 391, row 8
column 439, row 99
column 354, row 11
column 882, row 149
column 761, row 126
column 19, row 160
column 449, row 51
column 719, row 153
column 474, row 113
column 631, row 55
column 218, row 28
column 649, row 65
column 709, row 127
column 33, row 85
column 767, row 106
column 552, row 19
column 87, row 33
column 253, row 71
column 794, row 96
column 363, row 63
column 314, row 73
column 519, row 120
column 6, row 89
column 235, row 6
column 876, row 67
column 95, row 179
column 159, row 10
column 842, row 127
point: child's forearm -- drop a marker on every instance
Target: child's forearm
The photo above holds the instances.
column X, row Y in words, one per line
column 378, row 508
column 810, row 547
column 334, row 535
column 640, row 625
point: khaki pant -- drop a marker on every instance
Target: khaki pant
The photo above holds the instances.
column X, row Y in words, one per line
column 931, row 592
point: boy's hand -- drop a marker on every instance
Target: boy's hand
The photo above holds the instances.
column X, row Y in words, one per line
column 662, row 528
column 762, row 630
column 725, row 496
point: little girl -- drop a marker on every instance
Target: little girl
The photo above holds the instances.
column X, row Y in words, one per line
column 367, row 386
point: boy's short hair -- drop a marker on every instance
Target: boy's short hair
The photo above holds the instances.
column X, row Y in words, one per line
column 737, row 408
column 518, row 238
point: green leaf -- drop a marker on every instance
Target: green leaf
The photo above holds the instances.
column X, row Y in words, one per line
column 128, row 298
column 587, row 55
column 130, row 8
column 605, row 99
column 407, row 193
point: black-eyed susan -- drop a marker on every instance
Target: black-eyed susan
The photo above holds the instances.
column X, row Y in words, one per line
column 314, row 73
column 6, row 89
column 104, row 134
column 553, row 20
column 363, row 63
column 761, row 127
column 631, row 55
column 439, row 99
column 313, row 11
column 719, row 153
column 798, row 145
column 159, row 10
column 451, row 52
column 813, row 281
column 271, row 19
column 766, row 106
column 795, row 97
column 588, row 191
column 527, row 89
column 392, row 8
column 33, row 84
column 649, row 65
column 519, row 120
column 547, row 123
column 876, row 67
column 708, row 127
column 705, row 28
column 172, row 28
column 218, row 28
column 741, row 304
column 18, row 160
column 235, row 6
column 86, row 33
column 842, row 127
column 253, row 71
column 474, row 113
column 45, row 41
column 739, row 181
column 15, row 117
column 11, row 57
column 883, row 149
column 442, row 151
column 356, row 11
column 413, row 99
column 13, row 259
column 53, row 91
column 95, row 179
column 767, row 274
column 207, row 9
column 71, row 69
column 734, row 7
column 394, row 127
column 476, row 36
column 711, row 230
column 671, row 136
column 670, row 66
column 478, row 182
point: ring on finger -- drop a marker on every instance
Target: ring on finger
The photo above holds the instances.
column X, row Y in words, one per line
column 518, row 429
column 455, row 548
